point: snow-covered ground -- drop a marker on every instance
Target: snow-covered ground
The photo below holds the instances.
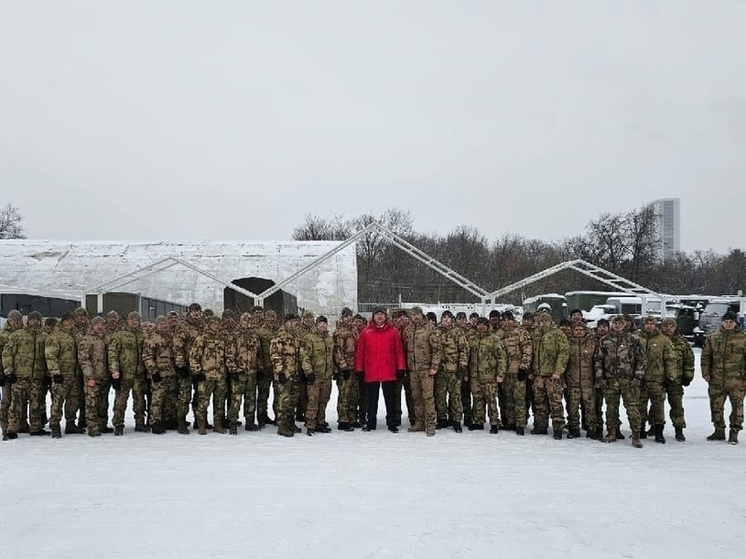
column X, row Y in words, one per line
column 375, row 495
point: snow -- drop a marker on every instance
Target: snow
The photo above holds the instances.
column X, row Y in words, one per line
column 377, row 494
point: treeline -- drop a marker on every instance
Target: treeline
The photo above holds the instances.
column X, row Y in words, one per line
column 624, row 243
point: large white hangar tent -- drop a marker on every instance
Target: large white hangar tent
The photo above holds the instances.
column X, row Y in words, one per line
column 322, row 274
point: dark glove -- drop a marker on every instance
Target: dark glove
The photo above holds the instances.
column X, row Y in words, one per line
column 310, row 378
column 116, row 383
column 48, row 381
column 522, row 374
column 234, row 375
column 346, row 374
column 2, row 381
column 183, row 372
column 335, row 375
column 282, row 378
column 57, row 379
column 260, row 375
column 686, row 381
column 636, row 382
column 10, row 378
column 400, row 374
column 156, row 377
column 199, row 377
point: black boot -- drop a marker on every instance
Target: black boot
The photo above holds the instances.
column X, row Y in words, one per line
column 157, row 429
column 476, row 427
column 573, row 433
column 345, row 427
column 557, row 434
column 644, row 434
column 659, row 438
column 310, row 432
column 539, row 431
column 39, row 433
column 56, row 431
column 233, row 429
column 441, row 424
column 457, row 427
column 494, row 429
column 119, row 430
column 680, row 434
column 618, row 435
column 520, row 431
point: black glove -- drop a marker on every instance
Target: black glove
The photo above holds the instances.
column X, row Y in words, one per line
column 183, row 372
column 686, row 381
column 2, row 381
column 400, row 374
column 310, row 378
column 199, row 377
column 234, row 375
column 282, row 378
column 10, row 378
column 48, row 381
column 346, row 374
column 116, row 383
column 260, row 375
column 57, row 379
column 335, row 375
column 522, row 374
column 156, row 377
column 636, row 382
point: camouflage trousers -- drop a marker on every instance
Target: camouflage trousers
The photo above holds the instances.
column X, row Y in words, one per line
column 137, row 384
column 26, row 393
column 582, row 398
column 263, row 385
column 513, row 410
column 183, row 395
column 64, row 398
column 287, row 400
column 448, row 396
column 302, row 399
column 404, row 384
column 319, row 394
column 243, row 391
column 362, row 401
column 733, row 390
column 104, row 406
column 631, row 398
column 347, row 401
column 675, row 392
column 653, row 393
column 423, row 394
column 485, row 395
column 212, row 389
column 548, row 402
column 162, row 392
column 466, row 400
column 79, row 386
column 96, row 403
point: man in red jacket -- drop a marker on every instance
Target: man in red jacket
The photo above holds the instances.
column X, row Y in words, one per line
column 379, row 358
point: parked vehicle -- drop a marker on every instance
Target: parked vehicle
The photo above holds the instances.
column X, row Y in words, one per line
column 712, row 316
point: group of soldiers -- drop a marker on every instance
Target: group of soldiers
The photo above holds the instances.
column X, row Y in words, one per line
column 474, row 371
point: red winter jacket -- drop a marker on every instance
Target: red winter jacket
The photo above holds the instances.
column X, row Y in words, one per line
column 380, row 353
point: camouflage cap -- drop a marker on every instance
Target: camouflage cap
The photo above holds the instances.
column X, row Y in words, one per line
column 97, row 320
column 208, row 312
column 379, row 309
column 460, row 314
column 228, row 313
column 34, row 315
column 649, row 319
column 195, row 307
column 291, row 316
column 51, row 321
column 270, row 314
column 81, row 311
column 669, row 322
column 67, row 316
column 308, row 314
column 112, row 314
column 160, row 320
column 446, row 314
column 212, row 319
column 15, row 315
column 346, row 311
column 617, row 318
column 134, row 314
column 415, row 310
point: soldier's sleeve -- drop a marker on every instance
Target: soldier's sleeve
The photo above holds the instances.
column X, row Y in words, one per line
column 527, row 350
column 305, row 355
column 339, row 352
column 275, row 356
column 563, row 354
column 463, row 353
column 502, row 359
column 706, row 359
column 8, row 356
column 195, row 354
column 231, row 352
column 436, row 347
column 598, row 361
column 114, row 354
column 85, row 359
column 148, row 355
column 641, row 358
column 140, row 362
column 687, row 362
column 670, row 362
column 179, row 348
column 51, row 353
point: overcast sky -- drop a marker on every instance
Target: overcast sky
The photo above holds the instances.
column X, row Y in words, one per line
column 233, row 120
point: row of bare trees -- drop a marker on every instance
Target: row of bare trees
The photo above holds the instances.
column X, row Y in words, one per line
column 11, row 223
column 625, row 243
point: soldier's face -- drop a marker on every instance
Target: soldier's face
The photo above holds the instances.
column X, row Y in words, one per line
column 99, row 328
column 602, row 329
column 379, row 318
column 669, row 329
column 508, row 323
column 417, row 318
column 576, row 317
column 528, row 323
column 578, row 331
column 446, row 320
column 495, row 321
column 618, row 326
column 173, row 321
column 133, row 322
column 194, row 315
column 729, row 324
column 33, row 322
column 461, row 321
column 649, row 327
column 16, row 322
column 481, row 327
column 322, row 327
column 162, row 326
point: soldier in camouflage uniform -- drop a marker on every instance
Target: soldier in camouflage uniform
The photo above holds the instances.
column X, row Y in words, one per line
column 359, row 322
column 551, row 353
column 15, row 322
column 400, row 320
column 128, row 373
column 93, row 357
column 307, row 326
column 242, row 357
column 81, row 329
column 724, row 369
column 207, row 361
column 265, row 375
column 488, row 363
column 424, row 355
column 580, row 378
column 620, row 368
column 660, row 370
column 285, row 356
column 469, row 331
column 158, row 358
column 61, row 353
column 25, row 370
column 684, row 374
column 453, row 368
column 529, row 325
column 186, row 333
column 345, row 341
column 229, row 332
column 519, row 352
column 317, row 360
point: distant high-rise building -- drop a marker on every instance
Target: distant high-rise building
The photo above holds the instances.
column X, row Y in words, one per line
column 669, row 231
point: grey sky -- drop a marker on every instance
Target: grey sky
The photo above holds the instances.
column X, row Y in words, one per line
column 230, row 120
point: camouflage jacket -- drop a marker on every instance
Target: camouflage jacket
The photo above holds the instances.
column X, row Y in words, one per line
column 620, row 355
column 724, row 355
column 93, row 357
column 580, row 365
column 551, row 351
column 317, row 354
column 455, row 350
column 422, row 346
column 487, row 357
column 285, row 354
column 661, row 357
column 185, row 335
column 4, row 336
column 23, row 354
column 61, row 352
column 684, row 358
column 158, row 354
column 345, row 342
column 243, row 352
column 125, row 352
column 266, row 334
column 518, row 347
column 207, row 356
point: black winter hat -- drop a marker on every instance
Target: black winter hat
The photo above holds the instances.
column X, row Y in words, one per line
column 321, row 318
column 730, row 315
column 379, row 309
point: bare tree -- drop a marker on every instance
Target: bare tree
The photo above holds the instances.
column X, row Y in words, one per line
column 642, row 240
column 10, row 223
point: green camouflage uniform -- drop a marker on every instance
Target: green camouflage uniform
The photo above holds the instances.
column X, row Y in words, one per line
column 519, row 351
column 207, row 356
column 125, row 358
column 487, row 362
column 181, row 388
column 453, row 368
column 684, row 371
column 424, row 353
column 158, row 357
column 660, row 370
column 23, row 355
column 61, row 353
column 620, row 360
column 265, row 374
column 551, row 353
column 345, row 341
column 93, row 357
column 724, row 362
column 7, row 388
column 242, row 357
column 580, row 378
column 285, row 356
column 317, row 357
